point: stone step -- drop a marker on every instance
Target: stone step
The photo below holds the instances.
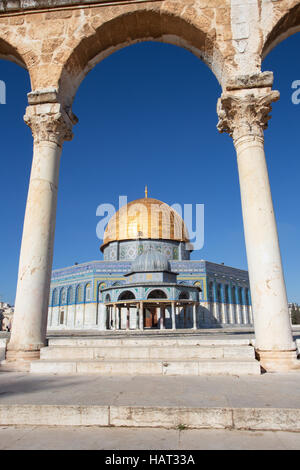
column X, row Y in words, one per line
column 157, row 340
column 148, row 367
column 147, row 352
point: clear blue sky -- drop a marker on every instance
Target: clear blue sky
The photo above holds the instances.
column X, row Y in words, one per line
column 147, row 115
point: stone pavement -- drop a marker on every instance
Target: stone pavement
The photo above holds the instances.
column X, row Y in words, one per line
column 96, row 438
column 224, row 405
column 266, row 402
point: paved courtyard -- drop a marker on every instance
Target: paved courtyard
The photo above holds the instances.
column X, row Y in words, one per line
column 95, row 438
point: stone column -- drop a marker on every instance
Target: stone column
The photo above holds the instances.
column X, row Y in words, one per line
column 231, row 313
column 194, row 316
column 215, row 305
column 141, row 316
column 114, row 320
column 245, row 312
column 243, row 114
column 50, row 126
column 173, row 316
column 223, row 305
column 163, row 314
column 118, row 317
column 238, row 305
column 137, row 317
column 128, row 318
column 184, row 316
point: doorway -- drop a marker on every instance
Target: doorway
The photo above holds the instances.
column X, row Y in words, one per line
column 150, row 317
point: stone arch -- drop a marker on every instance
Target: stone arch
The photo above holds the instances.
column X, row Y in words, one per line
column 10, row 52
column 185, row 30
column 184, row 295
column 79, row 293
column 157, row 294
column 286, row 26
column 88, row 292
column 126, row 295
column 63, row 296
column 54, row 297
column 70, row 295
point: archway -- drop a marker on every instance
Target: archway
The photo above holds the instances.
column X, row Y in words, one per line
column 127, row 295
column 136, row 26
column 287, row 25
column 14, row 164
column 183, row 296
column 157, row 294
column 243, row 115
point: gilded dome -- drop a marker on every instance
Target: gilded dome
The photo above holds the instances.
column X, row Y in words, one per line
column 145, row 218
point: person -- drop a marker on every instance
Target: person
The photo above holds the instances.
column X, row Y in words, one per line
column 4, row 324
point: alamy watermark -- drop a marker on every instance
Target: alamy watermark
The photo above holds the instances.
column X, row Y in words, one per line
column 2, row 92
column 143, row 220
column 296, row 94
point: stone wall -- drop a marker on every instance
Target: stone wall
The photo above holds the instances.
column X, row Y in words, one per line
column 60, row 45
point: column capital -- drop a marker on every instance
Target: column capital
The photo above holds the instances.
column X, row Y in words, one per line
column 245, row 112
column 50, row 122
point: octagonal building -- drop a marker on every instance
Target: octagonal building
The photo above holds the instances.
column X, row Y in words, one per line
column 147, row 280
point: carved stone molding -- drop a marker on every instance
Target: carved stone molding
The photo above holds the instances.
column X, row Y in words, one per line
column 245, row 114
column 50, row 122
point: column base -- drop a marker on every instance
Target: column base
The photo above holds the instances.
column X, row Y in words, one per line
column 19, row 360
column 278, row 361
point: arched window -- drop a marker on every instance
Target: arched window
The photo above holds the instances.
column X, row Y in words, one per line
column 88, row 292
column 233, row 296
column 70, row 296
column 210, row 292
column 54, row 297
column 127, row 295
column 157, row 294
column 79, row 294
column 219, row 297
column 226, row 294
column 183, row 295
column 240, row 295
column 247, row 296
column 63, row 296
column 107, row 298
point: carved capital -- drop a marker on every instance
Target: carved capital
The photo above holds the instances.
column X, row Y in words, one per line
column 245, row 114
column 50, row 122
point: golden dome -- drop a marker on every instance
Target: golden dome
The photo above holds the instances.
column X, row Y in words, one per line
column 145, row 218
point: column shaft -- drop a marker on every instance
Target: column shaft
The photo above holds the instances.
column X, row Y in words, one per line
column 141, row 316
column 194, row 316
column 173, row 316
column 244, row 114
column 271, row 317
column 50, row 127
column 32, row 297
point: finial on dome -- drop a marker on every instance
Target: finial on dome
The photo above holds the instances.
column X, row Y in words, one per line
column 146, row 192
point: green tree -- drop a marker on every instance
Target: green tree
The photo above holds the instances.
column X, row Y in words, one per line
column 295, row 314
